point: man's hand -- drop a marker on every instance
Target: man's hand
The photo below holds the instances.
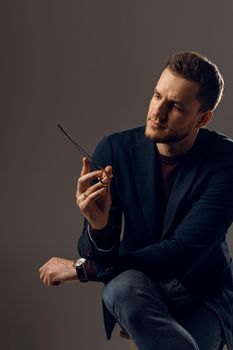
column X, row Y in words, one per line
column 57, row 271
column 94, row 201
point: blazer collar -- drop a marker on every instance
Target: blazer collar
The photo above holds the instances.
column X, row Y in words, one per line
column 145, row 161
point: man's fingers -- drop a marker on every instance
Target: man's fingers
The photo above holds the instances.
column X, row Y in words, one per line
column 87, row 176
column 84, row 181
column 43, row 267
column 105, row 179
column 47, row 278
column 91, row 197
column 42, row 274
column 107, row 171
column 96, row 187
column 102, row 184
column 86, row 166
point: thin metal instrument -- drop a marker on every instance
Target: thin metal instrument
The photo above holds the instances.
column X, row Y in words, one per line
column 82, row 151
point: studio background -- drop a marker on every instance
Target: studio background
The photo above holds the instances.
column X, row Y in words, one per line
column 91, row 66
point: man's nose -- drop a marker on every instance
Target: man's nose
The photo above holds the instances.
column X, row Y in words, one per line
column 161, row 110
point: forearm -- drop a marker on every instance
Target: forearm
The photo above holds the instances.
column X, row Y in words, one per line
column 94, row 244
column 103, row 239
column 105, row 253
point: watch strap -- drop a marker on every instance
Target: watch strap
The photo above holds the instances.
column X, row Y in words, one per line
column 81, row 270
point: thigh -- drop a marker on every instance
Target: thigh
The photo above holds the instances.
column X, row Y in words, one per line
column 202, row 324
column 132, row 289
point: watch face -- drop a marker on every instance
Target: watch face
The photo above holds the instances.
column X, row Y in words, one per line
column 80, row 262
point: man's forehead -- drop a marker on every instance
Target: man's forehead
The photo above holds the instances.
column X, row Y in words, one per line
column 176, row 87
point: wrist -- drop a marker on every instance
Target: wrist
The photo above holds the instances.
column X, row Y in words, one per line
column 96, row 228
column 80, row 267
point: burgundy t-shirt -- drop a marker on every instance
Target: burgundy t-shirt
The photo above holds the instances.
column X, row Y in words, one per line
column 169, row 167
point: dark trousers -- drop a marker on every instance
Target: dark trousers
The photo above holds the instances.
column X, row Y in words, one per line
column 161, row 316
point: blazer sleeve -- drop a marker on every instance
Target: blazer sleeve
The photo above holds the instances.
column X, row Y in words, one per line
column 203, row 227
column 103, row 244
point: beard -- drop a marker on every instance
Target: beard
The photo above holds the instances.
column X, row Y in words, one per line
column 160, row 135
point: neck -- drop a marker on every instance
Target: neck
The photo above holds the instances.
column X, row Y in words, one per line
column 175, row 149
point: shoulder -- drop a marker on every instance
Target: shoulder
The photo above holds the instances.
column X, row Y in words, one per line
column 214, row 136
column 216, row 150
column 215, row 142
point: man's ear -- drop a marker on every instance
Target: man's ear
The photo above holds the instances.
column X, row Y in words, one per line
column 204, row 119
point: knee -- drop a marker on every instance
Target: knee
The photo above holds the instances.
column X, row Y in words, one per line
column 123, row 290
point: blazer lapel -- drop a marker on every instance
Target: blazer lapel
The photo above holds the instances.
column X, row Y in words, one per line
column 182, row 183
column 144, row 159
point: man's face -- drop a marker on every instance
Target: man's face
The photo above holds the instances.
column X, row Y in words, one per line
column 173, row 113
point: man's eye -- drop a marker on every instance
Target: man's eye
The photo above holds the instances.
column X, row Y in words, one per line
column 157, row 96
column 176, row 106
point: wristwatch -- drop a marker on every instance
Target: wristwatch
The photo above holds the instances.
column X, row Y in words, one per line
column 79, row 266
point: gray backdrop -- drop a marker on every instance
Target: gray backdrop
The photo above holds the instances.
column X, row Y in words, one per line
column 90, row 65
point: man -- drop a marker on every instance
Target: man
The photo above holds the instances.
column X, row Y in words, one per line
column 169, row 280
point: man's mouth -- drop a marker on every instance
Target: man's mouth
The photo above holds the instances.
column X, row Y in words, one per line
column 154, row 124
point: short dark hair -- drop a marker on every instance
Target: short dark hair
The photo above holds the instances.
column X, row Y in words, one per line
column 196, row 67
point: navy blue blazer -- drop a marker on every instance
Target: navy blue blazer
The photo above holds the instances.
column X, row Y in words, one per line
column 190, row 245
